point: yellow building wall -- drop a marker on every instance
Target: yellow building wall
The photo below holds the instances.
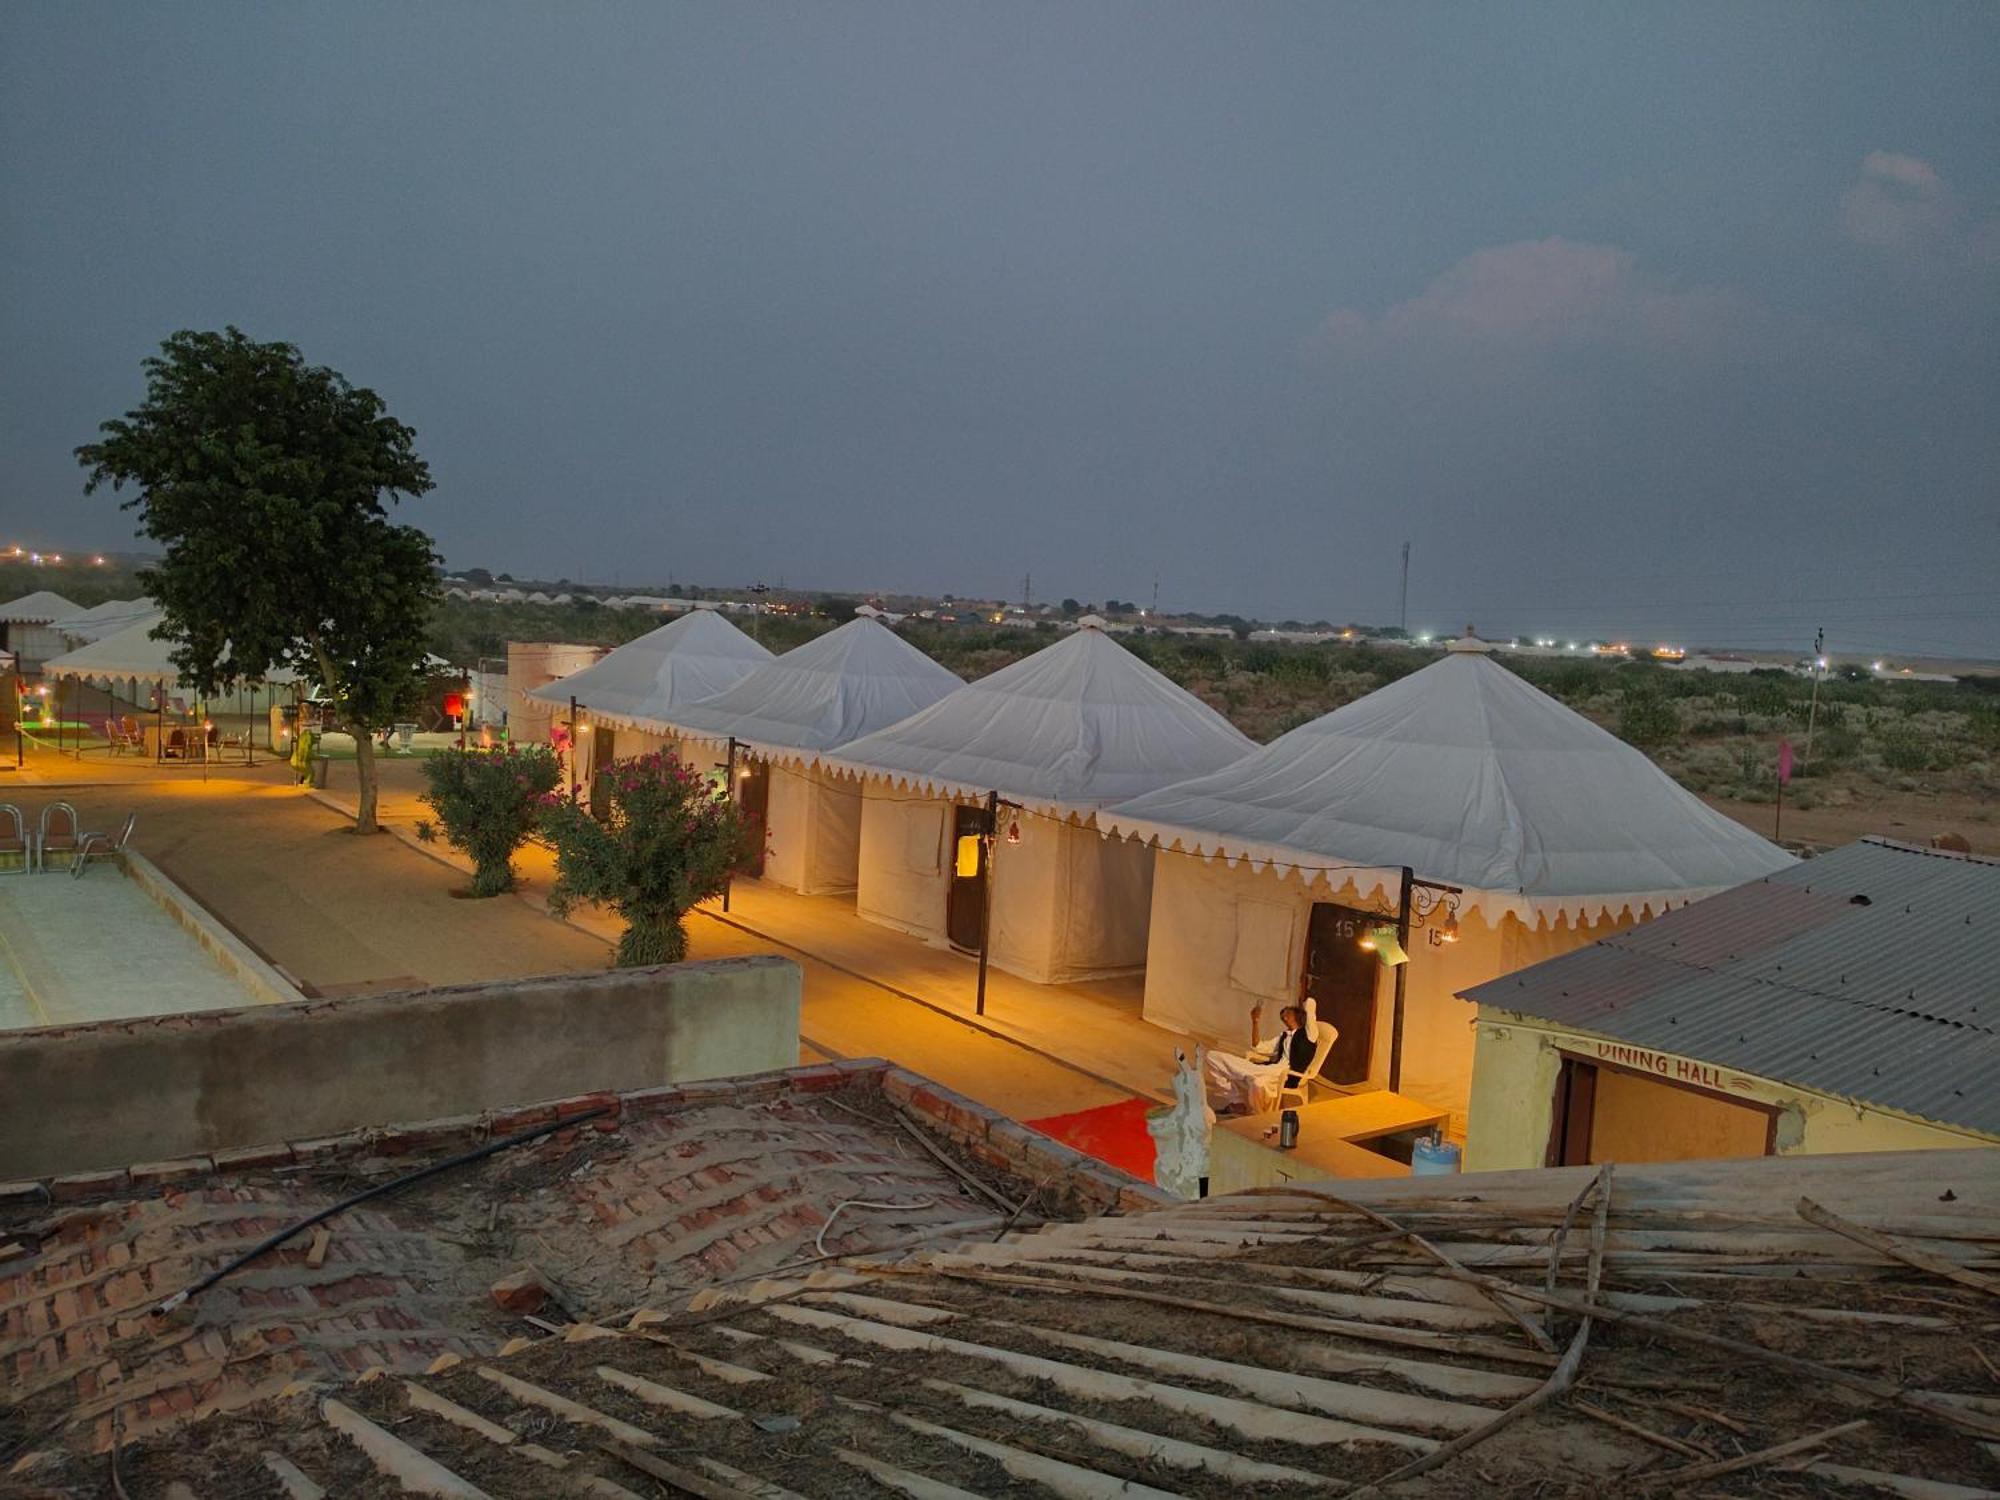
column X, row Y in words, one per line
column 1204, row 912
column 1516, row 1060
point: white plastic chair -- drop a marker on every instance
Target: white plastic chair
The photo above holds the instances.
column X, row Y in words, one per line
column 1322, row 1049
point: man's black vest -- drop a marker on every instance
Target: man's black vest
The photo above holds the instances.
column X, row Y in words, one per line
column 1295, row 1049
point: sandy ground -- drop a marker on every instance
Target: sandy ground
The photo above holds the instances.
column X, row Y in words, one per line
column 1909, row 816
column 344, row 914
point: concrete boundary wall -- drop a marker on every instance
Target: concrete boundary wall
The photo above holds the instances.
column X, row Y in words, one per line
column 1084, row 1184
column 263, row 980
column 104, row 1095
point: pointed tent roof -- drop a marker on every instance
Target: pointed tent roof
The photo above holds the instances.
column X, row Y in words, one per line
column 1470, row 776
column 104, row 619
column 131, row 652
column 644, row 681
column 1075, row 726
column 847, row 683
column 38, row 608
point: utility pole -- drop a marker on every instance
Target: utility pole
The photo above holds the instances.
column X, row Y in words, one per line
column 1027, row 590
column 1156, row 598
column 1403, row 609
column 1812, row 712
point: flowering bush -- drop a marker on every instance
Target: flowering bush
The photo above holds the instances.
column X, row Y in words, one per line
column 667, row 841
column 487, row 803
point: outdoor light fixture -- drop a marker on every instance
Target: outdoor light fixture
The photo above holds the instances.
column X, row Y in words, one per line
column 1447, row 932
column 1014, row 831
column 1381, row 941
column 967, row 865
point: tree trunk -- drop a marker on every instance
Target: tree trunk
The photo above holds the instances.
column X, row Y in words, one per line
column 658, row 937
column 364, row 776
column 492, row 877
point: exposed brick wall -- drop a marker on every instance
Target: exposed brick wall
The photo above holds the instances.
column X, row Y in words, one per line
column 1094, row 1187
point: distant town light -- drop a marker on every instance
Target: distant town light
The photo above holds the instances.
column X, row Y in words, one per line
column 1877, row 667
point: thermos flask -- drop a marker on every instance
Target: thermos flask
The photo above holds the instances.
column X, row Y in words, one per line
column 1288, row 1130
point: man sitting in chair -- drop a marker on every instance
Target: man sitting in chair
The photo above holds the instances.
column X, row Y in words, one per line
column 1249, row 1085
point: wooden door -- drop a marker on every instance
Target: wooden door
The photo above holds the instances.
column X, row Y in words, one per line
column 1575, row 1110
column 753, row 796
column 965, row 899
column 1341, row 975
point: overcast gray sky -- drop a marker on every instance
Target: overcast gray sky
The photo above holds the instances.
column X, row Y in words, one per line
column 1677, row 320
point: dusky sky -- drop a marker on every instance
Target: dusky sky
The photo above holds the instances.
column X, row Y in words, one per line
column 1676, row 321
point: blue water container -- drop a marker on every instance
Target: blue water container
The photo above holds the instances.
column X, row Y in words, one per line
column 1433, row 1158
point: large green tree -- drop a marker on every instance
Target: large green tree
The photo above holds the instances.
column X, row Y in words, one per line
column 267, row 482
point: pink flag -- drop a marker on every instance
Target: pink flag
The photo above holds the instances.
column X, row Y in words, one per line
column 1784, row 761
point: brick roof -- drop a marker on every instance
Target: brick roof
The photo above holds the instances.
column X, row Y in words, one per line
column 1299, row 1339
column 677, row 1189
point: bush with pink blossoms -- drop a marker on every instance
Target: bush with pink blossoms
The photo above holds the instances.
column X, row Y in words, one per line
column 487, row 803
column 667, row 841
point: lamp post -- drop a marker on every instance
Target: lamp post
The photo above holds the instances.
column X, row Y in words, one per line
column 729, row 786
column 994, row 802
column 1416, row 902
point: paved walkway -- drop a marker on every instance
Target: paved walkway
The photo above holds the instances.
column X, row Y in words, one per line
column 1095, row 1027
column 348, row 915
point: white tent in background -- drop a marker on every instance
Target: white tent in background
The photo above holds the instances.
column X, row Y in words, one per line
column 1063, row 732
column 131, row 658
column 108, row 618
column 642, row 683
column 27, row 627
column 845, row 684
column 1554, row 830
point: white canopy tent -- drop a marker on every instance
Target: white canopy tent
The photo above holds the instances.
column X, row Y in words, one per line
column 641, row 683
column 42, row 607
column 108, row 618
column 134, row 654
column 853, row 680
column 1552, row 830
column 1062, row 733
column 27, row 627
column 130, row 665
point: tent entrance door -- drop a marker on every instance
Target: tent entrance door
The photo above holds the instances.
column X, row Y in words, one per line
column 965, row 899
column 1341, row 976
column 753, row 796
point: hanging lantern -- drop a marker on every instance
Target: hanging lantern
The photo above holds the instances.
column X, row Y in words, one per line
column 968, row 857
column 1448, row 933
column 1014, row 831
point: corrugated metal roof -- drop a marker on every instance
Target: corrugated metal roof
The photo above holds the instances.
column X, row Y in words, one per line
column 1872, row 972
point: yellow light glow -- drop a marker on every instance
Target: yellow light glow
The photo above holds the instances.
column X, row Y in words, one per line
column 968, row 857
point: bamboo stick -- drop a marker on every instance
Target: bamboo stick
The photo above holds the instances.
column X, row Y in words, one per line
column 1715, row 1469
column 1909, row 1255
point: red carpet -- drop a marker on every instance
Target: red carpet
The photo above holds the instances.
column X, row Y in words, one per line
column 1114, row 1133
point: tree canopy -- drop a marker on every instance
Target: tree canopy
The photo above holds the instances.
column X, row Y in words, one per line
column 267, row 482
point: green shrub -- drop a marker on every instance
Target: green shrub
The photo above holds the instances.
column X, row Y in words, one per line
column 1648, row 721
column 486, row 803
column 668, row 842
column 1905, row 747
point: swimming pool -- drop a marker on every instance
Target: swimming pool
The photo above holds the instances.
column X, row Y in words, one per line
column 121, row 941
